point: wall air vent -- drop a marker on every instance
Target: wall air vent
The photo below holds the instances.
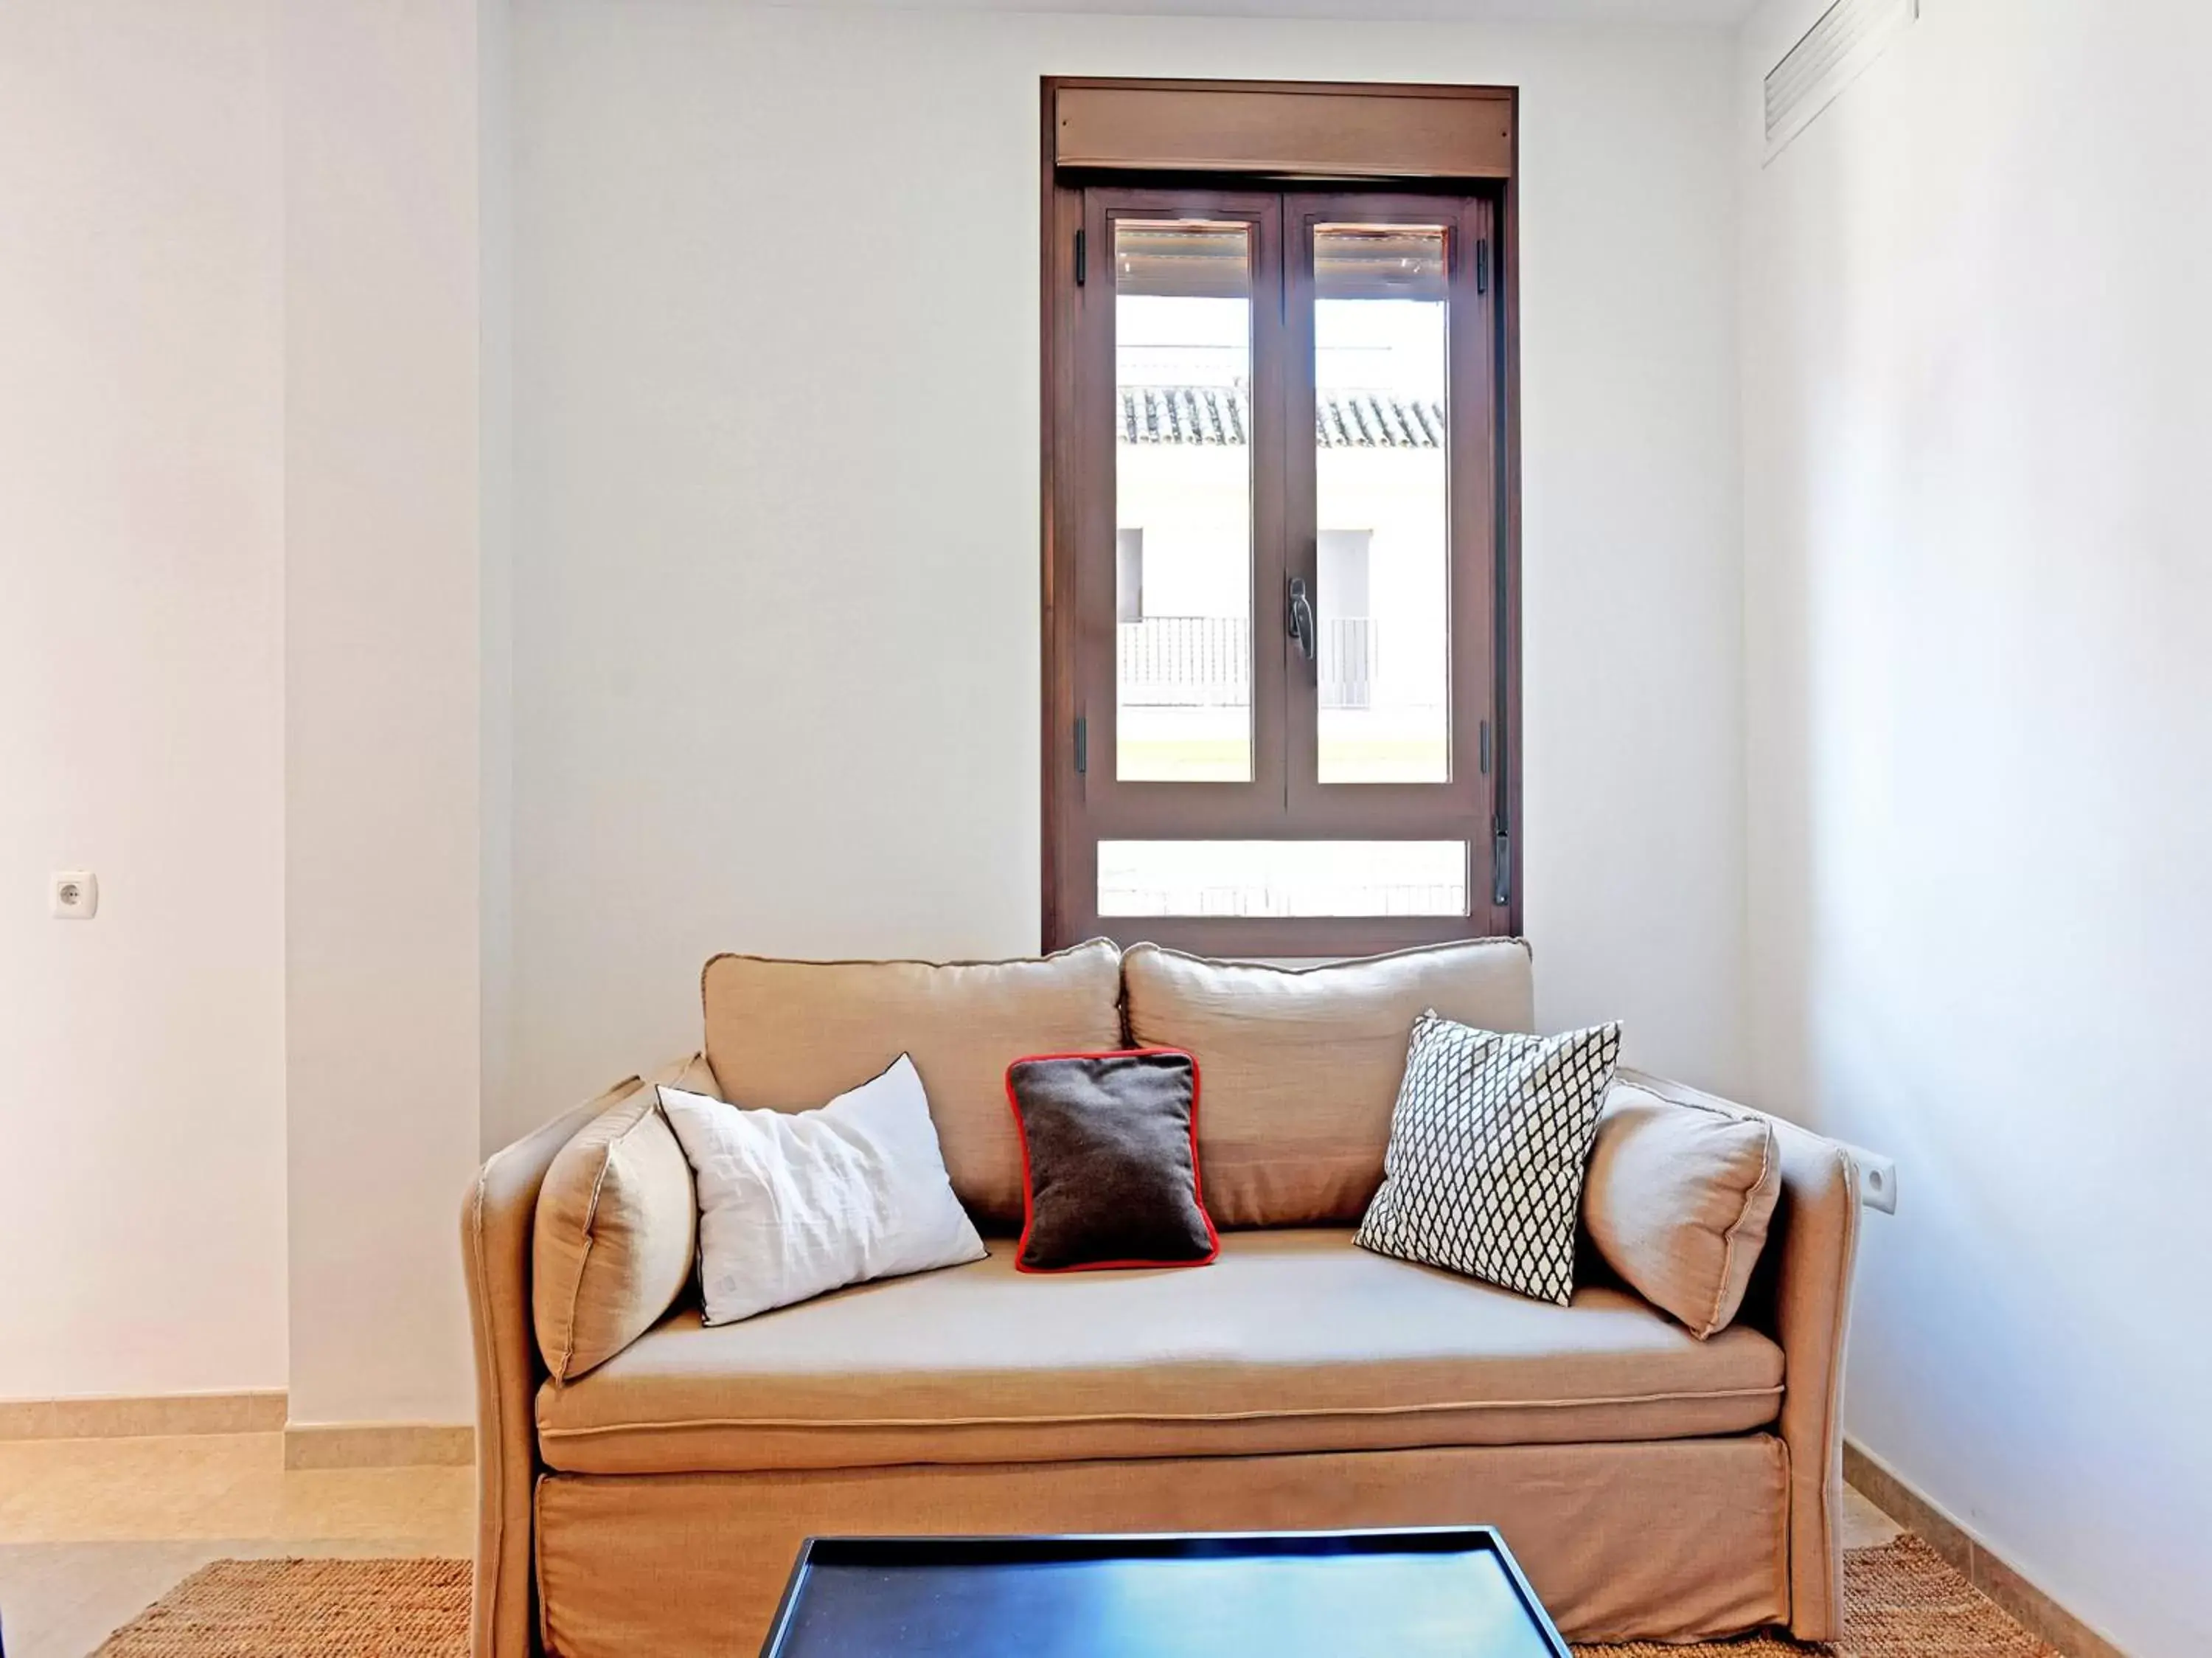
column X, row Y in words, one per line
column 1850, row 35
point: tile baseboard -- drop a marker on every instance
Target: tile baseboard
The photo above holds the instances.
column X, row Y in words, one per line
column 2029, row 1607
column 379, row 1445
column 313, row 1445
column 121, row 1417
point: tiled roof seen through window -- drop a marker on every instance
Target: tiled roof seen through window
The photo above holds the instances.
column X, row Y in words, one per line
column 1218, row 414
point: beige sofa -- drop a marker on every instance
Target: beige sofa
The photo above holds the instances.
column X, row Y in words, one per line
column 1654, row 1485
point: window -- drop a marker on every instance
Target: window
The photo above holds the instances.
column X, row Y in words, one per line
column 1348, row 627
column 1279, row 575
column 1129, row 575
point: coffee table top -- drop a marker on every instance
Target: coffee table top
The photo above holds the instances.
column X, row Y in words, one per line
column 1425, row 1592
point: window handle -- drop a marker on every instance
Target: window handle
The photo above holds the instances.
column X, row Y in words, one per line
column 1301, row 616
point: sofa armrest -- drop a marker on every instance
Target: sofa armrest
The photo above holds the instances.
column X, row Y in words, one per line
column 497, row 1220
column 1802, row 1296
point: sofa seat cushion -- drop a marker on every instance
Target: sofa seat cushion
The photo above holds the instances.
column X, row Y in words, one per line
column 1291, row 1341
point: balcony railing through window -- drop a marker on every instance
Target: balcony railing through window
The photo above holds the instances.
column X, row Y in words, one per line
column 1205, row 661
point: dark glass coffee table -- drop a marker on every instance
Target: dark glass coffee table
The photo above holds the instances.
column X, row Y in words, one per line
column 1427, row 1593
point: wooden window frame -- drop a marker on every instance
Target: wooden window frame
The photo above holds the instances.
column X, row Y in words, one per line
column 1144, row 141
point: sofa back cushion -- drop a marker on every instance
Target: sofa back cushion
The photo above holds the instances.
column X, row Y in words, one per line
column 616, row 1227
column 1680, row 1193
column 792, row 1035
column 1301, row 1067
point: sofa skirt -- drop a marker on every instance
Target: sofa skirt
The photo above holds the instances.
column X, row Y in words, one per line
column 1667, row 1540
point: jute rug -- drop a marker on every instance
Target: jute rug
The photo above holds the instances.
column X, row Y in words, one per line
column 1903, row 1602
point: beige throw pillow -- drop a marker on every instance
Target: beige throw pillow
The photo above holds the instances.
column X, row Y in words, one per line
column 616, row 1227
column 1301, row 1068
column 787, row 1035
column 1679, row 1199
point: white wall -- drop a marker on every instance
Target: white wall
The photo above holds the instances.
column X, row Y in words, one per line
column 142, row 1058
column 241, row 535
column 1978, row 406
column 384, row 652
column 258, row 614
column 774, row 642
column 776, row 636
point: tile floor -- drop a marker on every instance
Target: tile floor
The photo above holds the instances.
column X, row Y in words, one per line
column 93, row 1530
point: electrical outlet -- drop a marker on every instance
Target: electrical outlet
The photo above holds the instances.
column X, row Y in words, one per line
column 1877, row 1180
column 74, row 895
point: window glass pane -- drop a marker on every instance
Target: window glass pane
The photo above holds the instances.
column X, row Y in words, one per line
column 1182, row 349
column 1382, row 587
column 1282, row 878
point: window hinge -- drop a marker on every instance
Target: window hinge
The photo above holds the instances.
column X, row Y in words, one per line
column 1501, row 863
column 1080, row 272
column 1484, row 745
column 1481, row 267
column 1081, row 745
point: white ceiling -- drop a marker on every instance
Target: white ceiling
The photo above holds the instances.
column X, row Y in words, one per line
column 1562, row 11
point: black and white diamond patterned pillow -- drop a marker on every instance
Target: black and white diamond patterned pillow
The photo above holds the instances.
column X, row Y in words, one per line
column 1488, row 1143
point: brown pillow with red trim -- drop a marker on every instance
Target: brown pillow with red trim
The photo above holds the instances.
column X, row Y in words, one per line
column 1109, row 1162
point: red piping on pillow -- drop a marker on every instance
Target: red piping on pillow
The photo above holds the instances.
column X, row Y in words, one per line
column 1197, row 1175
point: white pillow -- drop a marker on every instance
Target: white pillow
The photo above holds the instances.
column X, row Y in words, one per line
column 794, row 1204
